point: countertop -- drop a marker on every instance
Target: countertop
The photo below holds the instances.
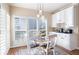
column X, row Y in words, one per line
column 60, row 32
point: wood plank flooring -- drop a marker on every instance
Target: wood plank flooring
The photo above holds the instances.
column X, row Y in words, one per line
column 75, row 52
column 23, row 51
column 18, row 51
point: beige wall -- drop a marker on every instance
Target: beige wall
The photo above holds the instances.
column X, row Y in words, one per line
column 76, row 23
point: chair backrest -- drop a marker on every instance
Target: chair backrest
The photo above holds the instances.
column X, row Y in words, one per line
column 52, row 40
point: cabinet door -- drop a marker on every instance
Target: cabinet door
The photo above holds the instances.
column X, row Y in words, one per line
column 64, row 41
column 69, row 17
column 55, row 19
column 61, row 16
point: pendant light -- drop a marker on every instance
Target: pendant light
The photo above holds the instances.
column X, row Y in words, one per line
column 40, row 13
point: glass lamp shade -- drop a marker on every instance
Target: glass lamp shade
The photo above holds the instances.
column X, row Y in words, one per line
column 40, row 12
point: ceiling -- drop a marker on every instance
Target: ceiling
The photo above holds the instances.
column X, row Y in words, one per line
column 48, row 7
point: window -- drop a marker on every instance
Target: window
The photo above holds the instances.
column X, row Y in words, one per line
column 37, row 27
column 19, row 31
column 35, row 24
column 20, row 24
column 32, row 24
column 41, row 24
column 25, row 27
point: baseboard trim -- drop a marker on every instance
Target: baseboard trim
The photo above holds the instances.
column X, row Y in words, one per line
column 18, row 46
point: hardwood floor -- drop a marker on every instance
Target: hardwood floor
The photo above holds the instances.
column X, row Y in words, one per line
column 23, row 51
column 18, row 51
column 75, row 52
column 66, row 52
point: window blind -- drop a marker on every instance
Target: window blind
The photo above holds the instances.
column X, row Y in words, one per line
column 3, row 30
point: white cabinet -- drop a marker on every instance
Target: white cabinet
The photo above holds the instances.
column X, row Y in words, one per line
column 69, row 17
column 64, row 40
column 61, row 16
column 55, row 19
column 64, row 17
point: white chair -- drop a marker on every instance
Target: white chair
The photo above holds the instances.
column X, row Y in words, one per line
column 51, row 44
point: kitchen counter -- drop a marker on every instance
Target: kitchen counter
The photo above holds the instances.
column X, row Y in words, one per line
column 61, row 32
column 63, row 39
